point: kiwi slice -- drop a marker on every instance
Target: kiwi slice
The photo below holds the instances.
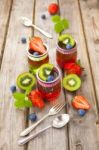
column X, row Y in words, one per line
column 71, row 82
column 67, row 38
column 26, row 81
column 45, row 71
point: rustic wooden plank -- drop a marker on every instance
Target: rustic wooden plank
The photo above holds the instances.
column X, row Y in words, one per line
column 5, row 7
column 90, row 17
column 82, row 131
column 51, row 139
column 13, row 121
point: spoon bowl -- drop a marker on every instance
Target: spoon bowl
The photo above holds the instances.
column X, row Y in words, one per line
column 61, row 120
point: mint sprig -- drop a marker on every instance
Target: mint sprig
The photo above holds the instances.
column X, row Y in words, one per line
column 21, row 100
column 60, row 24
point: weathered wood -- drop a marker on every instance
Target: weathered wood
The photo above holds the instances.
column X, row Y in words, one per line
column 5, row 7
column 13, row 121
column 82, row 131
column 90, row 17
column 52, row 139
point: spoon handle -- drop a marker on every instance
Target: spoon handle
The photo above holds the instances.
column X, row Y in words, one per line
column 42, row 31
column 30, row 137
column 29, row 129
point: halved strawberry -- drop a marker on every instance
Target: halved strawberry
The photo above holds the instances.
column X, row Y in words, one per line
column 36, row 44
column 36, row 99
column 80, row 102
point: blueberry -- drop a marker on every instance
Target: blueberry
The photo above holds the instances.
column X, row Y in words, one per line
column 50, row 78
column 43, row 16
column 35, row 53
column 81, row 112
column 13, row 88
column 68, row 46
column 23, row 40
column 32, row 117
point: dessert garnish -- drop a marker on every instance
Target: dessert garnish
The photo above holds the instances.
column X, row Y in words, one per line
column 45, row 71
column 74, row 68
column 80, row 102
column 36, row 45
column 32, row 117
column 81, row 112
column 53, row 8
column 67, row 41
column 71, row 82
column 26, row 81
column 36, row 99
column 23, row 40
column 60, row 24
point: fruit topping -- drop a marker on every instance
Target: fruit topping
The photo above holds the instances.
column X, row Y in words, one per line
column 67, row 39
column 73, row 68
column 26, row 81
column 36, row 53
column 80, row 102
column 53, row 8
column 50, row 78
column 71, row 82
column 32, row 117
column 36, row 44
column 45, row 70
column 81, row 112
column 68, row 46
column 36, row 99
column 13, row 88
column 23, row 40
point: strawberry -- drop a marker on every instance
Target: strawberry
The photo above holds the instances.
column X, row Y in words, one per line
column 36, row 99
column 74, row 68
column 80, row 102
column 36, row 44
column 53, row 8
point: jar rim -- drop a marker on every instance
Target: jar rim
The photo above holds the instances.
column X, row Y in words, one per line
column 29, row 54
column 66, row 50
column 57, row 78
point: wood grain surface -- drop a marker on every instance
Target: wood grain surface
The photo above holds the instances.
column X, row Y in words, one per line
column 83, row 15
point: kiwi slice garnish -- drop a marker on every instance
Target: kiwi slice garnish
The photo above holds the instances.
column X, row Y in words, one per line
column 26, row 81
column 45, row 71
column 67, row 38
column 71, row 82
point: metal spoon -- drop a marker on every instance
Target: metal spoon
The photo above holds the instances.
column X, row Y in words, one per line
column 27, row 22
column 59, row 122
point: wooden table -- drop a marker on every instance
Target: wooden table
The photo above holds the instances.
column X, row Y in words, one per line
column 80, row 133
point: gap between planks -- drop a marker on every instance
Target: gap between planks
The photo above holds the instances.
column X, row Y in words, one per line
column 87, row 52
column 5, row 34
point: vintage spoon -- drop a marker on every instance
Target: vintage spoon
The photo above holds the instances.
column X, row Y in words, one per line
column 27, row 22
column 59, row 122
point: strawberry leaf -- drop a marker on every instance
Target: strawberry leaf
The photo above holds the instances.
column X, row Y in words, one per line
column 19, row 103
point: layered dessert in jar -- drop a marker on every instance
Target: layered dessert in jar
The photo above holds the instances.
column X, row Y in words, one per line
column 49, row 81
column 66, row 50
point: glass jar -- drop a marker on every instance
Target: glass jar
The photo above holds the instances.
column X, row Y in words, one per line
column 50, row 90
column 64, row 55
column 36, row 61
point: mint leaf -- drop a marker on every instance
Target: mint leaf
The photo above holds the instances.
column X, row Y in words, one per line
column 18, row 96
column 58, row 27
column 56, row 18
column 60, row 24
column 21, row 100
column 65, row 23
column 27, row 103
column 19, row 103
